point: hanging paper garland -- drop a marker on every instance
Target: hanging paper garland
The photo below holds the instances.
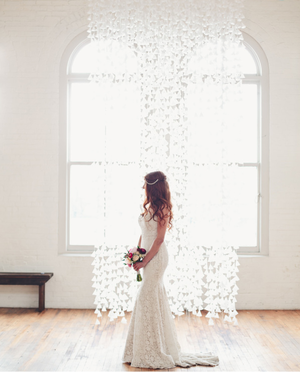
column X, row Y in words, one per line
column 182, row 60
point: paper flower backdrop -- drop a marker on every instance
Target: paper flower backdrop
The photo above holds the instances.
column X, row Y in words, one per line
column 180, row 61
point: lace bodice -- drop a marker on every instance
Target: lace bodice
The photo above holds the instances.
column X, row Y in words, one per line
column 149, row 231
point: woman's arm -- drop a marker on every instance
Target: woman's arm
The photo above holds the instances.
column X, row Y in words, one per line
column 161, row 232
column 139, row 243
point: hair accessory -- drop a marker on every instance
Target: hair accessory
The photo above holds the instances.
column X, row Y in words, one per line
column 152, row 182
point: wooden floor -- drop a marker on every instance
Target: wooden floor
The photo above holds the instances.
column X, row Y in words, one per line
column 69, row 340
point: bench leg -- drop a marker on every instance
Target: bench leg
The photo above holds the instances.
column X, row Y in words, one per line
column 41, row 297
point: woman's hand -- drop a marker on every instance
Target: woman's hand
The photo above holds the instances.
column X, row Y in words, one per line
column 138, row 265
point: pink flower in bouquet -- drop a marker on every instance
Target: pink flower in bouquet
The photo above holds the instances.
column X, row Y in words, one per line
column 128, row 262
column 130, row 255
column 133, row 250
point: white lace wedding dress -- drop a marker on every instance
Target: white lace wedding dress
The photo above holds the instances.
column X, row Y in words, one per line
column 152, row 340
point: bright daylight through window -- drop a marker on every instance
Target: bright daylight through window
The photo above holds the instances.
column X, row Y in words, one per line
column 87, row 138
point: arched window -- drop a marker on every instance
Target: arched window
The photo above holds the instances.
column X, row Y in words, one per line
column 99, row 126
column 83, row 140
column 73, row 194
column 255, row 165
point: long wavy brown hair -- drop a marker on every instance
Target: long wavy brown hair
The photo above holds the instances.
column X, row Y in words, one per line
column 158, row 197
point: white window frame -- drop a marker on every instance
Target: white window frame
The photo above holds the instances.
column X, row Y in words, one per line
column 64, row 164
column 261, row 79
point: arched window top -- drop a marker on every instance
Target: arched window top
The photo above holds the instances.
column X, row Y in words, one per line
column 83, row 58
column 249, row 63
column 254, row 59
column 114, row 58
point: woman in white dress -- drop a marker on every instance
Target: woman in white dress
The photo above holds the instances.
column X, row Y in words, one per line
column 152, row 340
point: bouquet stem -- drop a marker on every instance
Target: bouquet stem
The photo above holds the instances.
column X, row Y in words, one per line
column 139, row 276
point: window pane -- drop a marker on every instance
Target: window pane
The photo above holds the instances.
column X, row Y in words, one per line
column 86, row 204
column 112, row 57
column 123, row 198
column 115, row 58
column 84, row 61
column 247, row 207
column 248, row 62
column 86, row 129
column 121, row 117
column 207, row 138
column 247, row 132
column 223, row 206
column 123, row 191
column 103, row 120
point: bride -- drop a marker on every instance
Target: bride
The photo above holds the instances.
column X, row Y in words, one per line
column 152, row 340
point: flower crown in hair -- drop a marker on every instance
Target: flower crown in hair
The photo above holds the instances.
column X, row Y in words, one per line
column 151, row 183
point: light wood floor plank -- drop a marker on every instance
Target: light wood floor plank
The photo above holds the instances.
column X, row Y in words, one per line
column 69, row 340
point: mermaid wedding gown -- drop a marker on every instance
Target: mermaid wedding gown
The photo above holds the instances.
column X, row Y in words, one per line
column 152, row 340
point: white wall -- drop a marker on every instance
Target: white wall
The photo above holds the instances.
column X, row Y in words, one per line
column 33, row 37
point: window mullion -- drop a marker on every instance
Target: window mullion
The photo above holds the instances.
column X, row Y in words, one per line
column 70, row 163
column 78, row 78
column 248, row 79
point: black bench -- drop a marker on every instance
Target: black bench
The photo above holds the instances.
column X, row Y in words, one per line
column 28, row 279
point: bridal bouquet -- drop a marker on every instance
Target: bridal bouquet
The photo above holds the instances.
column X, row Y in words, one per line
column 134, row 255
